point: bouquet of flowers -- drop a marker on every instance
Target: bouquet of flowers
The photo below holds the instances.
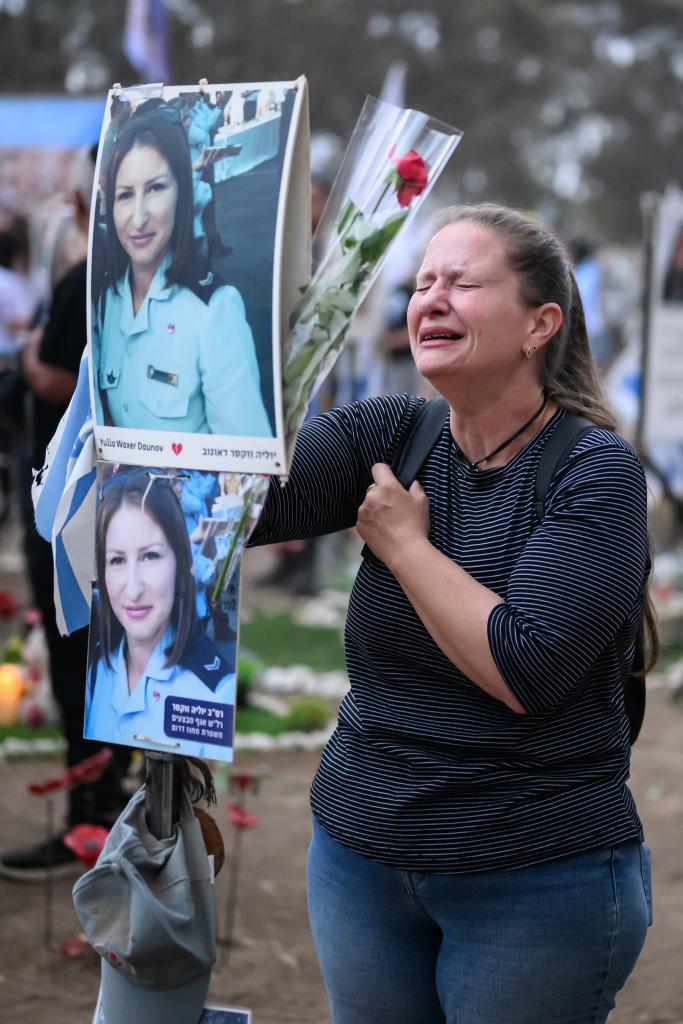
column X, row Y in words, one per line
column 393, row 160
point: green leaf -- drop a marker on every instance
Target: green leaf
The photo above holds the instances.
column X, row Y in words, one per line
column 372, row 247
column 361, row 229
column 348, row 214
column 338, row 298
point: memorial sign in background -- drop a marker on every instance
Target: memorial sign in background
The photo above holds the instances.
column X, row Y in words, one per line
column 663, row 379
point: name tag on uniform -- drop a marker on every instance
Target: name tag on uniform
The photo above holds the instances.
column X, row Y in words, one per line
column 162, row 376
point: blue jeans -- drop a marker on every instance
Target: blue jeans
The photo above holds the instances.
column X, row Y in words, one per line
column 548, row 944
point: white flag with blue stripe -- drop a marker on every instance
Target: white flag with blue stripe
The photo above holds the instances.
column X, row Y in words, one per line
column 64, row 492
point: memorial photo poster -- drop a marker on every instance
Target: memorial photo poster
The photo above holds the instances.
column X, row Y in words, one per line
column 210, row 1014
column 164, row 621
column 199, row 192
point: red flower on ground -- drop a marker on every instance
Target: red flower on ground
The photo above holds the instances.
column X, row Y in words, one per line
column 90, row 769
column 85, row 771
column 8, row 604
column 241, row 818
column 49, row 786
column 242, row 779
column 75, row 947
column 86, row 841
column 412, row 176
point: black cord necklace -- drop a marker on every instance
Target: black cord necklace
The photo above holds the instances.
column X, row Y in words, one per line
column 475, row 465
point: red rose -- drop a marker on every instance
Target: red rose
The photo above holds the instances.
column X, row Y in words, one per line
column 412, row 176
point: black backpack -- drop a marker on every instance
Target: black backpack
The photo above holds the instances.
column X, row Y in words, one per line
column 410, row 456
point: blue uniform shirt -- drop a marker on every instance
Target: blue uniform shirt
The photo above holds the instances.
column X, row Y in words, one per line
column 114, row 715
column 179, row 363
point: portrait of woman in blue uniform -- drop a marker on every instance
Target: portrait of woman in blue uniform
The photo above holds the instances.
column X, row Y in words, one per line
column 172, row 347
column 151, row 662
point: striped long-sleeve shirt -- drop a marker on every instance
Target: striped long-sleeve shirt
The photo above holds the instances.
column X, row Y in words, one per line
column 425, row 771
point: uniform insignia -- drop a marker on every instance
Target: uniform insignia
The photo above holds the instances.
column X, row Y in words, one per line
column 156, row 695
column 162, row 376
column 208, row 280
column 201, row 657
column 171, row 328
column 111, row 377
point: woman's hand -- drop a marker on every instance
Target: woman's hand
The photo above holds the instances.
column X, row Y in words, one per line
column 391, row 518
column 207, row 157
column 453, row 606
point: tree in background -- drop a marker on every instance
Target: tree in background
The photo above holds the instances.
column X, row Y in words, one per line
column 568, row 107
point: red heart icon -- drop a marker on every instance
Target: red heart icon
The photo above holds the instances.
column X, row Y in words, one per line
column 177, row 447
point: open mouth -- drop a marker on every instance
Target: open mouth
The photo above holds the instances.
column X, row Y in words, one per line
column 435, row 337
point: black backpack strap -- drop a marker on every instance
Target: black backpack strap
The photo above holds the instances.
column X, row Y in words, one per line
column 416, row 444
column 418, row 441
column 562, row 441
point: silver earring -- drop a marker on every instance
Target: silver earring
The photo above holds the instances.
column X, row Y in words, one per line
column 530, row 351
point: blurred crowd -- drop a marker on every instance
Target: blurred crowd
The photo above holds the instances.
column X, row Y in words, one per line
column 43, row 335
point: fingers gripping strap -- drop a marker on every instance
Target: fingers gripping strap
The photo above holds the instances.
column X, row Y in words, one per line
column 420, row 438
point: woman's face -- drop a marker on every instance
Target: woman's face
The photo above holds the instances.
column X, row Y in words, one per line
column 145, row 199
column 140, row 574
column 466, row 316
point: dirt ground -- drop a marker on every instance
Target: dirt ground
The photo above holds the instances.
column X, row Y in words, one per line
column 272, row 967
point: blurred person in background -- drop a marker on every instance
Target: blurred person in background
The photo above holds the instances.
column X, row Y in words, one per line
column 400, row 376
column 589, row 275
column 50, row 360
column 15, row 313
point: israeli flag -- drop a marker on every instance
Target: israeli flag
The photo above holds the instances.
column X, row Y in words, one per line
column 145, row 41
column 64, row 493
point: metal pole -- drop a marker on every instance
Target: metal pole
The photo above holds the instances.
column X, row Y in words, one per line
column 163, row 779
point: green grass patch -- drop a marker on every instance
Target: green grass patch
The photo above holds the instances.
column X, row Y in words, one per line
column 29, row 732
column 253, row 719
column 278, row 640
column 668, row 656
column 250, row 719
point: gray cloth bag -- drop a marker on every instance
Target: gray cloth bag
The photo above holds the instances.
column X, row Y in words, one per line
column 147, row 909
